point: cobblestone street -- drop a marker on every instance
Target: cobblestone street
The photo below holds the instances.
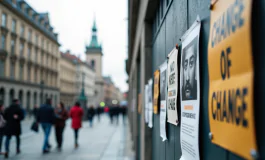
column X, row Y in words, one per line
column 102, row 142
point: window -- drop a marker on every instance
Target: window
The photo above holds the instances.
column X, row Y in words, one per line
column 47, row 46
column 42, row 57
column 29, row 35
column 12, row 71
column 22, row 30
column 12, row 46
column 36, row 39
column 14, row 25
column 47, row 60
column 36, row 76
column 36, row 55
column 2, row 68
column 29, row 73
column 4, row 20
column 162, row 7
column 3, row 41
column 158, row 19
column 42, row 43
column 29, row 52
column 93, row 63
column 21, row 72
column 21, row 49
column 41, row 75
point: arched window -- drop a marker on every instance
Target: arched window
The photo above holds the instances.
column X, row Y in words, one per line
column 93, row 63
column 2, row 96
column 2, row 68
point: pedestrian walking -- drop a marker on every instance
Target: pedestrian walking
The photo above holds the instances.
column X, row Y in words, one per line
column 2, row 125
column 76, row 113
column 61, row 115
column 111, row 113
column 35, row 111
column 13, row 116
column 124, row 113
column 90, row 115
column 116, row 111
column 98, row 112
column 46, row 117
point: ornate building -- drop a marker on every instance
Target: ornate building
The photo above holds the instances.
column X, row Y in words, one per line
column 29, row 55
column 94, row 57
column 73, row 74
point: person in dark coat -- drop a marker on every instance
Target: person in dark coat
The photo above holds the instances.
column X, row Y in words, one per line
column 90, row 115
column 76, row 113
column 35, row 111
column 46, row 118
column 1, row 129
column 124, row 113
column 61, row 116
column 116, row 111
column 111, row 113
column 13, row 116
column 98, row 112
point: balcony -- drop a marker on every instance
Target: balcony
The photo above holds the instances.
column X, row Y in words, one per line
column 22, row 59
column 13, row 58
column 3, row 54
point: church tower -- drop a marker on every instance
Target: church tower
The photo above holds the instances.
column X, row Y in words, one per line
column 94, row 58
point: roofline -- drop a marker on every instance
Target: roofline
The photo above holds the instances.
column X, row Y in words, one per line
column 23, row 16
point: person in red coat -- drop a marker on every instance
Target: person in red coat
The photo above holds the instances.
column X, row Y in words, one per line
column 76, row 113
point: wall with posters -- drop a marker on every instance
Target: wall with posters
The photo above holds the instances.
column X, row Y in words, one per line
column 170, row 19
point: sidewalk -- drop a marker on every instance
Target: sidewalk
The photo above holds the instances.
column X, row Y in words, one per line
column 102, row 142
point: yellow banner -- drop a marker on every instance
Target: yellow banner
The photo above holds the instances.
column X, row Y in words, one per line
column 231, row 107
column 156, row 91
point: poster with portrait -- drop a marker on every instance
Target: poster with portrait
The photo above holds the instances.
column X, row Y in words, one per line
column 156, row 91
column 150, row 103
column 146, row 104
column 172, row 81
column 190, row 93
column 163, row 101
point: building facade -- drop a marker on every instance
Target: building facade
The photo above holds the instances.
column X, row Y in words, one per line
column 73, row 74
column 111, row 92
column 94, row 57
column 68, row 81
column 29, row 55
column 155, row 27
column 86, row 77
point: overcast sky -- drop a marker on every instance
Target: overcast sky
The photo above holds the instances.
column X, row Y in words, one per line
column 73, row 21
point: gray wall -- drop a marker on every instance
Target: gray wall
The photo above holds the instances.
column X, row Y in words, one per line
column 177, row 17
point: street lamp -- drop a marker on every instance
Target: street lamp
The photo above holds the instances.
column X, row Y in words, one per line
column 41, row 91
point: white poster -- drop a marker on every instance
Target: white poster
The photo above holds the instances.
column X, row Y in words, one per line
column 150, row 103
column 172, row 81
column 190, row 93
column 163, row 101
column 146, row 104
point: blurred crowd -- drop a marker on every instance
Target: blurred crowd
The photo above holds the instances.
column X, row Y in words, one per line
column 47, row 116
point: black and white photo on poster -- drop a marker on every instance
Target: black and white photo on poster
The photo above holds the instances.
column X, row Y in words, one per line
column 163, row 102
column 190, row 93
column 172, row 82
column 189, row 81
column 150, row 103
